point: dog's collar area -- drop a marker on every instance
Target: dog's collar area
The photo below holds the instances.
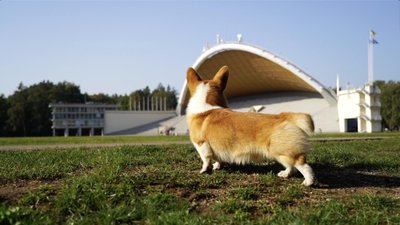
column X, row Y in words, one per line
column 197, row 104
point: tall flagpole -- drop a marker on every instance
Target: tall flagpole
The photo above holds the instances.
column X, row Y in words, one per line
column 371, row 43
column 370, row 60
column 337, row 84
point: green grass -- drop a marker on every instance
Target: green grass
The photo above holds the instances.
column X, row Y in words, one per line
column 87, row 140
column 146, row 139
column 358, row 184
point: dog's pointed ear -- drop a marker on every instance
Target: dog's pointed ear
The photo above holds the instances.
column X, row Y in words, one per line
column 221, row 77
column 192, row 76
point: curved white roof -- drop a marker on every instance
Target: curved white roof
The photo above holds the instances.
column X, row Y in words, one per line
column 253, row 71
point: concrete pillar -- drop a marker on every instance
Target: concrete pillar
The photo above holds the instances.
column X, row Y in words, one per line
column 66, row 132
column 91, row 131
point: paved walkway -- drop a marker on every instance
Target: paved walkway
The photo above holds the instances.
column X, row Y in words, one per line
column 339, row 139
column 108, row 145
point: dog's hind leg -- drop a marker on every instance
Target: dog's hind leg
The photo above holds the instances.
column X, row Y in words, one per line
column 205, row 153
column 287, row 162
column 305, row 170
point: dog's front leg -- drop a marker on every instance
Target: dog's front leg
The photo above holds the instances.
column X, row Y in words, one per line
column 205, row 153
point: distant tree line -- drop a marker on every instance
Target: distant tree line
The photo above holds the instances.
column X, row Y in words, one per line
column 26, row 112
column 390, row 104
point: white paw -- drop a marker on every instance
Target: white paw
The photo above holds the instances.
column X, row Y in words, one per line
column 308, row 182
column 205, row 168
column 203, row 171
column 284, row 174
column 216, row 166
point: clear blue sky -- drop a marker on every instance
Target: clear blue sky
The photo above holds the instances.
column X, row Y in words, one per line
column 120, row 46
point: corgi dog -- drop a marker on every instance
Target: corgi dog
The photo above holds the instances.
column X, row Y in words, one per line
column 225, row 136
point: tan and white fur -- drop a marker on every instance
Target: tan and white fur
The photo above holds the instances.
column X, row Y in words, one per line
column 226, row 136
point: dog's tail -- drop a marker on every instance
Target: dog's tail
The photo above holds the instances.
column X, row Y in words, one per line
column 302, row 120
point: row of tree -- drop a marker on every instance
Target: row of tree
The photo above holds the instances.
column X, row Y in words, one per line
column 26, row 112
column 390, row 104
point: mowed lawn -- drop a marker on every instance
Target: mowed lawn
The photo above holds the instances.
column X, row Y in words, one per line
column 6, row 141
column 358, row 183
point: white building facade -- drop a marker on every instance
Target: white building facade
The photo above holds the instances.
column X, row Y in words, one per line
column 79, row 119
column 359, row 109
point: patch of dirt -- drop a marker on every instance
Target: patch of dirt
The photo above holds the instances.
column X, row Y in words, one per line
column 333, row 183
column 11, row 192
